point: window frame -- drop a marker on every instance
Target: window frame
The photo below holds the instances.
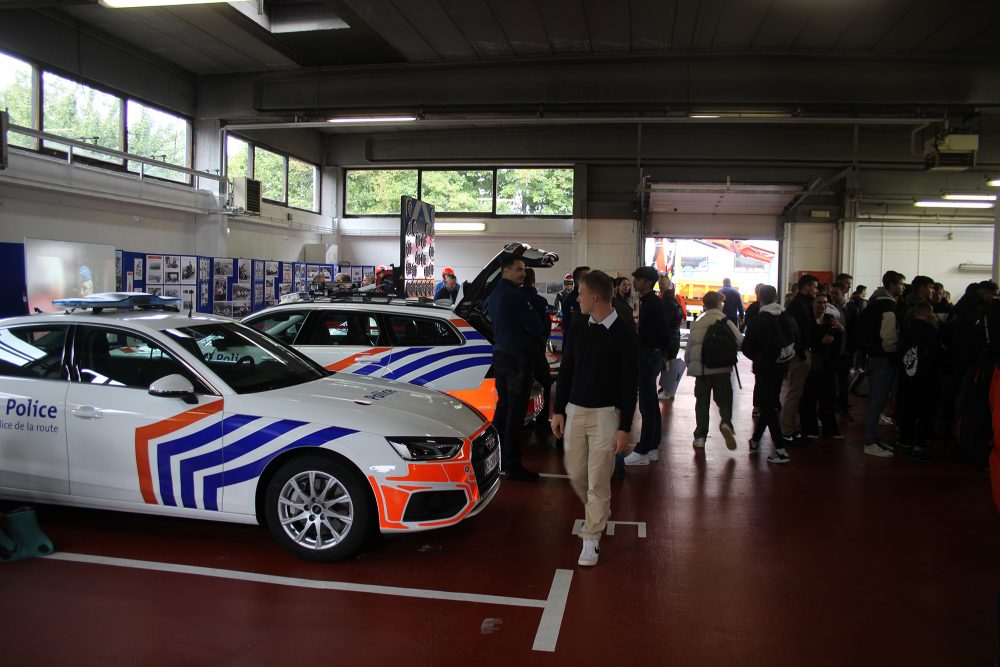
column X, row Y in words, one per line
column 492, row 214
column 38, row 118
column 252, row 145
column 67, row 346
column 390, row 333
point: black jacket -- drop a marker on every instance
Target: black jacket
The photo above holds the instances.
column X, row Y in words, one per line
column 801, row 311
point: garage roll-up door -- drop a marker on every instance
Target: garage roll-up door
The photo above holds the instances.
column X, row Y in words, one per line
column 717, row 210
column 701, row 226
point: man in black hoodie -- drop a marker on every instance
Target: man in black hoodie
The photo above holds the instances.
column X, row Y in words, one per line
column 801, row 311
column 920, row 378
column 880, row 333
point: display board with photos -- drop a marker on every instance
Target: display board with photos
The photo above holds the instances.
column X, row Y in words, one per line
column 416, row 251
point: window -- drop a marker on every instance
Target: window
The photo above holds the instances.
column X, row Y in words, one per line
column 237, row 157
column 16, row 92
column 76, row 111
column 302, row 185
column 408, row 330
column 534, row 192
column 458, row 191
column 33, row 352
column 269, row 169
column 121, row 359
column 284, row 325
column 343, row 328
column 159, row 135
column 377, row 191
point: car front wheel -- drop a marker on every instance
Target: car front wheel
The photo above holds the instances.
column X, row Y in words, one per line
column 318, row 508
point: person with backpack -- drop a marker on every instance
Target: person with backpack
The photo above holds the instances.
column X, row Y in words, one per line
column 881, row 340
column 770, row 344
column 653, row 340
column 710, row 356
column 921, row 357
column 801, row 311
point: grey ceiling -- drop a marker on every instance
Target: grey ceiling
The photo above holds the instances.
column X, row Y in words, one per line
column 219, row 39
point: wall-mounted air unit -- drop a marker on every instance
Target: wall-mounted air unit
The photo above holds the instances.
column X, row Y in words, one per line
column 246, row 194
column 951, row 152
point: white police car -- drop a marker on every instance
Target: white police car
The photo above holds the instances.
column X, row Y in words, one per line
column 421, row 343
column 151, row 411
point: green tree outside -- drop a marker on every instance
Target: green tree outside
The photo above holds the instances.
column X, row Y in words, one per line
column 79, row 112
column 15, row 96
column 155, row 134
column 535, row 192
column 377, row 191
column 302, row 185
column 269, row 169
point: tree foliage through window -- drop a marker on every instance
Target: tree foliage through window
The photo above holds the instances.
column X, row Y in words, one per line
column 15, row 96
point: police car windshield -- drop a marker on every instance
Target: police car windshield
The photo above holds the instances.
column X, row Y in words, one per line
column 247, row 360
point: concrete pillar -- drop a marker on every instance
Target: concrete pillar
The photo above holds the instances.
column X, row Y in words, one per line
column 996, row 244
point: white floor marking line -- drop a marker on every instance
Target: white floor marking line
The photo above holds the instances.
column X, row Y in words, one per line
column 545, row 640
column 553, row 475
column 555, row 608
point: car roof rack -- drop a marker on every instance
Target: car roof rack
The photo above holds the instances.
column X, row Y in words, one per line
column 119, row 301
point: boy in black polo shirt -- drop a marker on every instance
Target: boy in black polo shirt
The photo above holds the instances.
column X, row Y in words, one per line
column 595, row 401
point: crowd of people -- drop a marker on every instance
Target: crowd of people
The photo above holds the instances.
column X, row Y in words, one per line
column 907, row 346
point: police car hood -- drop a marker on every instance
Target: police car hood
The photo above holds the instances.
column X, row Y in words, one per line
column 473, row 294
column 382, row 407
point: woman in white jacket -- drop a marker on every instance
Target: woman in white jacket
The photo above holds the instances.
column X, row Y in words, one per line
column 711, row 382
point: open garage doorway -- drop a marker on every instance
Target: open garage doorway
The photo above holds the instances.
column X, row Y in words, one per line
column 697, row 266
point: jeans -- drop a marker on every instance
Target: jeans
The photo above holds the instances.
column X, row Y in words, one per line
column 705, row 386
column 650, row 365
column 883, row 373
column 767, row 399
column 589, row 459
column 513, row 380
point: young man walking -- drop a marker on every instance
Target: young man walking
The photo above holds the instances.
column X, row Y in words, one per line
column 595, row 401
column 770, row 344
column 801, row 311
column 653, row 337
column 712, row 376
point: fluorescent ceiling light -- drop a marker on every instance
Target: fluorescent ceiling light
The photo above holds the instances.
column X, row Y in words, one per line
column 459, row 226
column 703, row 115
column 124, row 4
column 939, row 203
column 372, row 119
column 969, row 197
column 993, row 182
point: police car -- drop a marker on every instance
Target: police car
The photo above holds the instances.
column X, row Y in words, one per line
column 421, row 343
column 125, row 405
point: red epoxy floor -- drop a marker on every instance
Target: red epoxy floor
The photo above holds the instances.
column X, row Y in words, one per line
column 835, row 559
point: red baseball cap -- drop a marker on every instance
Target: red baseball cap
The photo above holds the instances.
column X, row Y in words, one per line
column 448, row 270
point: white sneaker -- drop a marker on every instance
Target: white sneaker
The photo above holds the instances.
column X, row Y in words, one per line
column 654, row 455
column 875, row 449
column 637, row 459
column 699, row 443
column 727, row 433
column 589, row 554
column 884, row 420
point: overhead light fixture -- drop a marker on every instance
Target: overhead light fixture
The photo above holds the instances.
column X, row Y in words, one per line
column 941, row 203
column 703, row 115
column 993, row 182
column 459, row 226
column 969, row 197
column 361, row 120
column 739, row 114
column 128, row 4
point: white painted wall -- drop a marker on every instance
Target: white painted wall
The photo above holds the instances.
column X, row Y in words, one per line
column 808, row 247
column 922, row 250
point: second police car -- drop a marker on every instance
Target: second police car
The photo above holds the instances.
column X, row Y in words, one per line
column 151, row 411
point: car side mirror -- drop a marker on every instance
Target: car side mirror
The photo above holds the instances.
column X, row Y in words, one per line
column 174, row 386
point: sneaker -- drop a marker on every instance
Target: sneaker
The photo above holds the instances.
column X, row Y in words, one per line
column 699, row 443
column 918, row 454
column 876, row 449
column 589, row 554
column 637, row 459
column 885, row 420
column 654, row 455
column 727, row 433
column 754, row 446
column 835, row 436
column 779, row 456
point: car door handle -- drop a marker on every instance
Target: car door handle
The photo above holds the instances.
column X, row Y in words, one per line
column 86, row 412
column 366, row 360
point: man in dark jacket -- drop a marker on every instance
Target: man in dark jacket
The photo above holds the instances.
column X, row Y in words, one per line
column 595, row 402
column 540, row 363
column 571, row 303
column 880, row 334
column 652, row 341
column 753, row 308
column 767, row 336
column 732, row 307
column 517, row 332
column 801, row 312
column 921, row 358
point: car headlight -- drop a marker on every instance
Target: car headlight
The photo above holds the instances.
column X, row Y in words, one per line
column 426, row 449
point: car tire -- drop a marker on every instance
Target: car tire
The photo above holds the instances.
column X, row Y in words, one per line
column 318, row 508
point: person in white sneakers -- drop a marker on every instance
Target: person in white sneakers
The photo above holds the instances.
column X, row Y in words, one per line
column 595, row 400
column 710, row 356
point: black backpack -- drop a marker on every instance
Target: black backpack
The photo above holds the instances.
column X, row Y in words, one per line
column 719, row 348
